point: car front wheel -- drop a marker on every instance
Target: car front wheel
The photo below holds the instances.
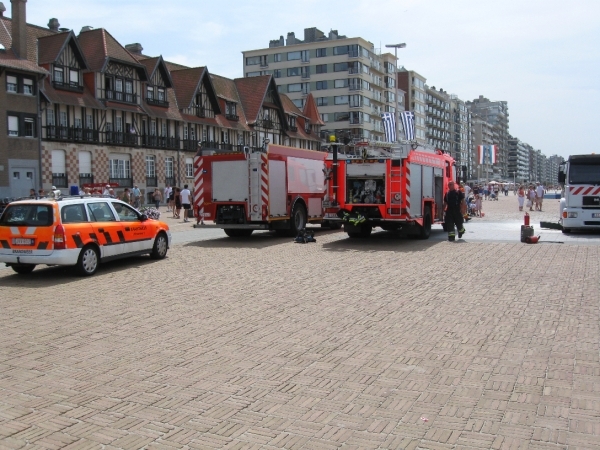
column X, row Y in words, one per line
column 161, row 245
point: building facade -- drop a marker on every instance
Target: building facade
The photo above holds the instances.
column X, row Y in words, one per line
column 352, row 82
column 415, row 100
column 86, row 110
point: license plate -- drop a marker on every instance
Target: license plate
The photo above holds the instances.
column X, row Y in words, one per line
column 595, row 215
column 23, row 241
column 331, row 216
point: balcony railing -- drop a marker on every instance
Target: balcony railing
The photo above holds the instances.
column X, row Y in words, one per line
column 151, row 181
column 121, row 182
column 74, row 87
column 232, row 117
column 119, row 96
column 170, row 181
column 59, row 180
column 71, row 134
column 293, row 128
column 190, row 145
column 160, row 142
column 85, row 178
column 157, row 102
column 120, row 138
column 267, row 124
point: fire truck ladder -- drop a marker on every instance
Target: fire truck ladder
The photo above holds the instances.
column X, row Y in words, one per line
column 395, row 187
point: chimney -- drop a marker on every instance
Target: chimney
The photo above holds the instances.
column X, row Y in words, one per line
column 19, row 28
column 2, row 9
column 135, row 49
column 53, row 25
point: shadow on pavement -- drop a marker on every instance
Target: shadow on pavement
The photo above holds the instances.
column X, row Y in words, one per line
column 385, row 241
column 257, row 240
column 47, row 276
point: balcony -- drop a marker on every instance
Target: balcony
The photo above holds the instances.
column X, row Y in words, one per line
column 122, row 97
column 150, row 141
column 69, row 134
column 267, row 124
column 121, row 182
column 233, row 117
column 73, row 87
column 293, row 128
column 190, row 145
column 120, row 138
column 157, row 102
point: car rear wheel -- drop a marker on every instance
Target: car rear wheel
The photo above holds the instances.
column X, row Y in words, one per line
column 161, row 245
column 23, row 269
column 88, row 261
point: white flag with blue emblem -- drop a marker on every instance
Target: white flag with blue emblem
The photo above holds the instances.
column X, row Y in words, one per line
column 408, row 123
column 389, row 126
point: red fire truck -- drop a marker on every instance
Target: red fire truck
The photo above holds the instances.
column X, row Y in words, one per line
column 273, row 188
column 392, row 186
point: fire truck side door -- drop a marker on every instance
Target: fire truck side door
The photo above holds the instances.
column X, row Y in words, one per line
column 416, row 189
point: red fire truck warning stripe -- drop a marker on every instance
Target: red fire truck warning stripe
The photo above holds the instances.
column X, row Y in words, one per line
column 199, row 186
column 584, row 190
column 264, row 179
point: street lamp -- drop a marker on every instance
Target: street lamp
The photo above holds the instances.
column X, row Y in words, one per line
column 396, row 47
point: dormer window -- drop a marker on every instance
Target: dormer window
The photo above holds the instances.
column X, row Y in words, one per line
column 59, row 77
column 150, row 93
column 161, row 94
column 231, row 111
column 66, row 78
column 292, row 123
column 11, row 84
column 307, row 127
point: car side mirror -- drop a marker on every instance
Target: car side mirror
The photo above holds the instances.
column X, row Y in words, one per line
column 143, row 217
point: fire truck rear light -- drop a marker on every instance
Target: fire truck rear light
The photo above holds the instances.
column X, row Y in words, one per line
column 572, row 215
column 394, row 211
column 59, row 238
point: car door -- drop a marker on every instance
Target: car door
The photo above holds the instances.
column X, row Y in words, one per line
column 106, row 229
column 137, row 235
column 78, row 231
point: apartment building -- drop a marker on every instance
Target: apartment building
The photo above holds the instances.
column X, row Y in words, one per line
column 438, row 119
column 82, row 109
column 352, row 82
column 483, row 134
column 413, row 86
column 518, row 160
column 496, row 113
column 462, row 135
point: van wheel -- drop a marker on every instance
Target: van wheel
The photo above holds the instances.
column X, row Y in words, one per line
column 298, row 219
column 161, row 245
column 88, row 261
column 566, row 230
column 425, row 230
column 23, row 269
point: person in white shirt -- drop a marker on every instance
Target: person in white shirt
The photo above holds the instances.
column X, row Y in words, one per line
column 167, row 196
column 467, row 191
column 539, row 196
column 106, row 190
column 186, row 201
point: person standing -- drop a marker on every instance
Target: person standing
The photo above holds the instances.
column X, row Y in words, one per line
column 136, row 194
column 177, row 205
column 531, row 197
column 521, row 197
column 539, row 196
column 126, row 196
column 106, row 189
column 467, row 191
column 186, row 201
column 157, row 197
column 453, row 204
column 167, row 196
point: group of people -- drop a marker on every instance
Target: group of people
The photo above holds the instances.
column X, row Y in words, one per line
column 177, row 199
column 533, row 195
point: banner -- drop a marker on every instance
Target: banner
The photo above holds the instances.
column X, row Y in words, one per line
column 389, row 126
column 487, row 154
column 408, row 123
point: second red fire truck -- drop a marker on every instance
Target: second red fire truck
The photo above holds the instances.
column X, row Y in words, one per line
column 392, row 186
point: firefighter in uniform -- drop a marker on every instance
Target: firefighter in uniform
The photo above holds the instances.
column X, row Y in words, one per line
column 453, row 203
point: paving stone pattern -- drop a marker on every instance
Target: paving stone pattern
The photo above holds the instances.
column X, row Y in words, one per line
column 261, row 343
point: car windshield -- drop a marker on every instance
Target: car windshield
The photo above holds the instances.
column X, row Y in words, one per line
column 30, row 215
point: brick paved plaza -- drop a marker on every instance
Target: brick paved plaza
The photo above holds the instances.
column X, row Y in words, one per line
column 386, row 343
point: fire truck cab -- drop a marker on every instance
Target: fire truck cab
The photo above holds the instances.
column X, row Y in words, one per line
column 388, row 185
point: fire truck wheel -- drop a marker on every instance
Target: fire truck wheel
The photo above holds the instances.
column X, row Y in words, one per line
column 425, row 230
column 361, row 231
column 237, row 233
column 298, row 219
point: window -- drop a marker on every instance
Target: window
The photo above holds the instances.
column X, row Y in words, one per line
column 321, row 85
column 74, row 77
column 340, row 100
column 59, row 76
column 85, row 164
column 73, row 213
column 277, row 57
column 341, row 50
column 28, row 129
column 321, row 52
column 150, row 166
column 150, row 93
column 27, row 86
column 340, row 83
column 89, row 122
column 305, row 73
column 253, row 61
column 230, row 108
column 295, row 87
column 340, row 67
column 11, row 84
column 169, row 167
column 293, row 71
column 161, row 94
column 13, row 126
column 299, row 103
column 321, row 68
column 291, row 56
column 277, row 73
column 321, row 101
column 305, row 54
column 189, row 167
column 325, row 117
column 119, row 166
column 59, row 166
column 341, row 116
column 50, row 117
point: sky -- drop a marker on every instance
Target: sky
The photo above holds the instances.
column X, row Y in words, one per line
column 540, row 56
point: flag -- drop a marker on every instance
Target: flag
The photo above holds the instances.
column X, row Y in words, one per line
column 487, row 154
column 389, row 126
column 408, row 123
